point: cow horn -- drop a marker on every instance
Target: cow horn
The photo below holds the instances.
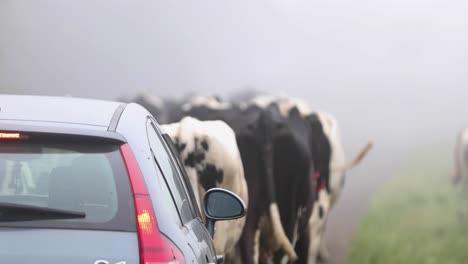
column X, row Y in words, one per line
column 280, row 234
column 357, row 159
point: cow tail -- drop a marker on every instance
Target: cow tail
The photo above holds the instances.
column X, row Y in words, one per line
column 357, row 159
column 274, row 214
column 279, row 233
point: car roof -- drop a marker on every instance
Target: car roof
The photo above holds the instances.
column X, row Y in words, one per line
column 67, row 110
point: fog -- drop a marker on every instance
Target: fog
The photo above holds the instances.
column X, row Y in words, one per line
column 395, row 71
column 397, row 66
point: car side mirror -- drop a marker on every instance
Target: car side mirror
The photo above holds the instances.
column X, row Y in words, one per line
column 220, row 205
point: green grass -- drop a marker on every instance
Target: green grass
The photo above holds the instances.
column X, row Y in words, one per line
column 414, row 218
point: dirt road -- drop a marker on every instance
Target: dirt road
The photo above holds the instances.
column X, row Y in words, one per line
column 361, row 183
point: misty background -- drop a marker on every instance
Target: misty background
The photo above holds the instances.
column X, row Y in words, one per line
column 395, row 71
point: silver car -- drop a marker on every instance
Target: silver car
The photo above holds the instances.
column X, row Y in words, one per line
column 98, row 182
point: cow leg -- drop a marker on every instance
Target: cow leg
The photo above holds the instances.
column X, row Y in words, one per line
column 313, row 250
column 316, row 227
column 302, row 248
column 256, row 247
column 250, row 240
column 323, row 254
column 463, row 207
column 464, row 176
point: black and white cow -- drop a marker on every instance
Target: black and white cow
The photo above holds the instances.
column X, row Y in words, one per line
column 293, row 166
column 460, row 171
column 329, row 163
column 278, row 171
column 319, row 159
column 209, row 152
column 331, row 166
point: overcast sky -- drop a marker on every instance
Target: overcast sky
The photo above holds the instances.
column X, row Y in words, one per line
column 398, row 66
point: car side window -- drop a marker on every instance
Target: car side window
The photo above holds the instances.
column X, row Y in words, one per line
column 183, row 174
column 168, row 168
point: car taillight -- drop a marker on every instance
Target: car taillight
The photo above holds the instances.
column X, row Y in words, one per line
column 155, row 248
column 10, row 135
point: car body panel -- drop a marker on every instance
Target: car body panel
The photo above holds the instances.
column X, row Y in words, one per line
column 58, row 246
column 57, row 109
column 59, row 128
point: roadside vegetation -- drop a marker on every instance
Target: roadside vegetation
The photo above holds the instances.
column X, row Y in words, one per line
column 415, row 218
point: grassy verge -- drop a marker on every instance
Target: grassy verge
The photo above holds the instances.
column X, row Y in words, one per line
column 414, row 218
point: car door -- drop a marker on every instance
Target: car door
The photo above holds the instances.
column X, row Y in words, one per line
column 187, row 213
column 202, row 235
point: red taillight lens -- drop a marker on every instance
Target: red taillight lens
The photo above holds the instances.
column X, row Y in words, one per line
column 154, row 247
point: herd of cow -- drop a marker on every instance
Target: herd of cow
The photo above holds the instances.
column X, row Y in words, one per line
column 284, row 159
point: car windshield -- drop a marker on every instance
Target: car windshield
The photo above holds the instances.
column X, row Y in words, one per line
column 78, row 177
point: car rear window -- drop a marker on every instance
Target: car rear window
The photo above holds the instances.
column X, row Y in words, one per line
column 73, row 175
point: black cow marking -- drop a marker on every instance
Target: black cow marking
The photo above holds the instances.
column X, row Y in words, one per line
column 210, row 176
column 205, row 145
column 193, row 159
column 180, row 146
column 321, row 211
